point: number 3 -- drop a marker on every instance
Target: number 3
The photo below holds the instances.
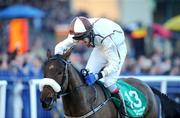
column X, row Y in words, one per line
column 137, row 103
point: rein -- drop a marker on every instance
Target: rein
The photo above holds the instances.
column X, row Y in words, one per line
column 67, row 93
column 63, row 93
column 93, row 111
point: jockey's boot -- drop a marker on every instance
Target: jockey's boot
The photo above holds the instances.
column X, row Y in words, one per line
column 115, row 90
column 122, row 109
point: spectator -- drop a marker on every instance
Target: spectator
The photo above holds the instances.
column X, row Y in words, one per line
column 5, row 71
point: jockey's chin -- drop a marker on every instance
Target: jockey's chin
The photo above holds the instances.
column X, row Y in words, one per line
column 86, row 43
column 89, row 45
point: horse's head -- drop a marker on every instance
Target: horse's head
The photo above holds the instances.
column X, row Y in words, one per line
column 55, row 79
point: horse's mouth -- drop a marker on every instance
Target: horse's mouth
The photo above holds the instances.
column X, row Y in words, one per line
column 47, row 104
column 47, row 98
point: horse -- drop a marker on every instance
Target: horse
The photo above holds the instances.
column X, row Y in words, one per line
column 62, row 79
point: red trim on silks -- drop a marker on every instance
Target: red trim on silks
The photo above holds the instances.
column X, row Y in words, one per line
column 89, row 45
column 116, row 91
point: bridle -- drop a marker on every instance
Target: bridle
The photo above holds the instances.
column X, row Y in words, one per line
column 60, row 87
column 65, row 75
column 64, row 93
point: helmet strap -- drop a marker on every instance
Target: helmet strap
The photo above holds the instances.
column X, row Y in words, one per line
column 91, row 37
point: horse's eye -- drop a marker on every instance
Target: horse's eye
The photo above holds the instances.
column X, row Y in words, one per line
column 59, row 73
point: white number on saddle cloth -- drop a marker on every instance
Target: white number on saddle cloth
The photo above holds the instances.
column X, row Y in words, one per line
column 134, row 99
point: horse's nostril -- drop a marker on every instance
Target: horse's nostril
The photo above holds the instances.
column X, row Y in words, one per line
column 48, row 100
column 47, row 103
column 46, row 107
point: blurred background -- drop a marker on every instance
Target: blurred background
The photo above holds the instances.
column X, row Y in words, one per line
column 29, row 27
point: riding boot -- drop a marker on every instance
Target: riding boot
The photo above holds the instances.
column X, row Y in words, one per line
column 115, row 90
column 122, row 111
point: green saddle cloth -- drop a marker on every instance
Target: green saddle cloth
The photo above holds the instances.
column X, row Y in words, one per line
column 135, row 101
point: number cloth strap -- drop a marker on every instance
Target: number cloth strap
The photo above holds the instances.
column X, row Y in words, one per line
column 135, row 100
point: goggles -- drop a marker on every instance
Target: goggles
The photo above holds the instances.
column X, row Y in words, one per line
column 82, row 36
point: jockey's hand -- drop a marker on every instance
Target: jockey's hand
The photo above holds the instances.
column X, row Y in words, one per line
column 90, row 79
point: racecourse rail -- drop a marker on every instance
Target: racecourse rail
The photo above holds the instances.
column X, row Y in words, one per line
column 3, row 85
column 33, row 86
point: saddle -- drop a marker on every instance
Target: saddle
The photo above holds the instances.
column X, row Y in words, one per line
column 115, row 98
column 133, row 100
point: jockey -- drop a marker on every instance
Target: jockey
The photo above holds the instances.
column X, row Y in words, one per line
column 109, row 48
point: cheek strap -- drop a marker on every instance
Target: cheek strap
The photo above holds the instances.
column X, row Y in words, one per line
column 51, row 82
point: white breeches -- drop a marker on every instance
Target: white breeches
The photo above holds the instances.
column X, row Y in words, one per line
column 97, row 61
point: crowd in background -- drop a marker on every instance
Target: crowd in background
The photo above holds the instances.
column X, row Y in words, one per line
column 160, row 61
column 151, row 54
column 156, row 63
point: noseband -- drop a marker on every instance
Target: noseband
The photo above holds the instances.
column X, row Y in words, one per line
column 65, row 76
column 62, row 88
column 58, row 88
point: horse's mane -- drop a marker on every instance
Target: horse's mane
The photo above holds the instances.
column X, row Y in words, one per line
column 79, row 73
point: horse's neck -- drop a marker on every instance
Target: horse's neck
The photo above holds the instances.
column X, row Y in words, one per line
column 76, row 101
column 76, row 85
column 75, row 79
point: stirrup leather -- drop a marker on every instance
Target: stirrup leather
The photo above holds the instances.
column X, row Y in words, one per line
column 123, row 112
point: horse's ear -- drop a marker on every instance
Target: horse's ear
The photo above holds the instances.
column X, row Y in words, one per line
column 49, row 55
column 67, row 53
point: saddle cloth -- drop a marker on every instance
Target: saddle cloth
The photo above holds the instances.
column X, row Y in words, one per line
column 135, row 101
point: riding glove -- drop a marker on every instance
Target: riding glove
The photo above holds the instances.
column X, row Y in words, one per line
column 90, row 79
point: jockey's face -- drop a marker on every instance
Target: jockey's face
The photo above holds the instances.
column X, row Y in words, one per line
column 85, row 41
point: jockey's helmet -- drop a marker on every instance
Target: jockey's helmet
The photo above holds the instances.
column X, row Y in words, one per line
column 80, row 28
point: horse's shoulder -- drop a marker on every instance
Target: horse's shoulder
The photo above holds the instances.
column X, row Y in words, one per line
column 107, row 93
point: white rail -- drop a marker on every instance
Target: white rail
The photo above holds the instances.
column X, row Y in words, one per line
column 3, row 85
column 162, row 79
column 33, row 98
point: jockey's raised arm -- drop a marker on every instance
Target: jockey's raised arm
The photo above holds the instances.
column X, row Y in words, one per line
column 63, row 46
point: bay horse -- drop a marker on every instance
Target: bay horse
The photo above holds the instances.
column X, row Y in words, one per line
column 61, row 78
